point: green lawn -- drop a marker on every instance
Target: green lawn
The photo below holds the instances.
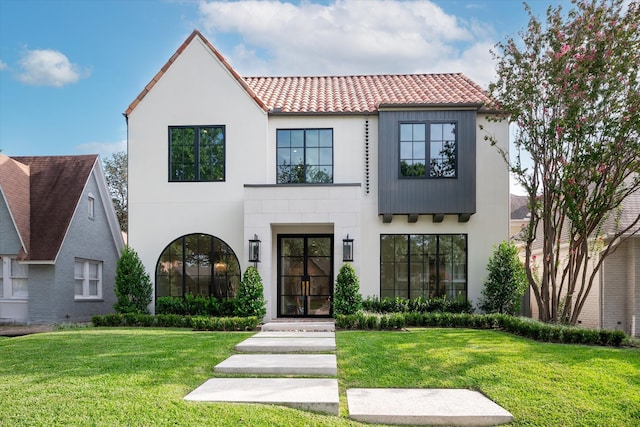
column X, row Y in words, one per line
column 117, row 377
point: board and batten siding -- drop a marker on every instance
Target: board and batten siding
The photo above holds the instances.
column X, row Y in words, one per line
column 425, row 196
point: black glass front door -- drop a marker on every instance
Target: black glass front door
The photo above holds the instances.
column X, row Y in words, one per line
column 305, row 275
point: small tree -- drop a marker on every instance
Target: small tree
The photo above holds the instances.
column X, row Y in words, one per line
column 571, row 87
column 250, row 299
column 347, row 298
column 133, row 284
column 506, row 282
column 115, row 172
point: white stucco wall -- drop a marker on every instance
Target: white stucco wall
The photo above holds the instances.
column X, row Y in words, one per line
column 195, row 90
column 198, row 90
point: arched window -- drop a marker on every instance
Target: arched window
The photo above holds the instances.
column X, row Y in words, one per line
column 197, row 264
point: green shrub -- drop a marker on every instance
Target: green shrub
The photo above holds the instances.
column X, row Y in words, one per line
column 133, row 284
column 525, row 327
column 347, row 298
column 250, row 299
column 416, row 305
column 506, row 282
column 199, row 323
column 195, row 305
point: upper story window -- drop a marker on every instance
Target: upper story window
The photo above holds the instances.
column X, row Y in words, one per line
column 88, row 279
column 196, row 153
column 91, row 206
column 428, row 150
column 304, row 156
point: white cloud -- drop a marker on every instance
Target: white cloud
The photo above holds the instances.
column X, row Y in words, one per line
column 2, row 65
column 46, row 67
column 104, row 149
column 349, row 37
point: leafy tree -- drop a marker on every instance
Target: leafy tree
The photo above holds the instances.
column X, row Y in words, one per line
column 115, row 170
column 133, row 284
column 250, row 298
column 572, row 89
column 347, row 298
column 506, row 281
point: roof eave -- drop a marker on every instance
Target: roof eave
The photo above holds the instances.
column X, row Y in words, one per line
column 434, row 106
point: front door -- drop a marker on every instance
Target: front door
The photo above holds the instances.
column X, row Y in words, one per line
column 305, row 275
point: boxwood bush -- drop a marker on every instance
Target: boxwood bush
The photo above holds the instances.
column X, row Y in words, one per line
column 525, row 327
column 416, row 305
column 198, row 323
column 196, row 305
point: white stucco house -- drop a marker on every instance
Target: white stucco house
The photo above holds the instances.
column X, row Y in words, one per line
column 388, row 172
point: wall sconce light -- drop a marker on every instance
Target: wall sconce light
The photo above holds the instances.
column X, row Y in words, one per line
column 254, row 250
column 347, row 249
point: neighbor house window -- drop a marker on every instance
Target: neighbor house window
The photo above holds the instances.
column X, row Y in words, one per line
column 13, row 278
column 304, row 156
column 423, row 265
column 428, row 150
column 88, row 279
column 91, row 206
column 197, row 264
column 197, row 153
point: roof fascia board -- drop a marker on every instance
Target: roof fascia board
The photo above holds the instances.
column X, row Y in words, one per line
column 322, row 113
column 422, row 107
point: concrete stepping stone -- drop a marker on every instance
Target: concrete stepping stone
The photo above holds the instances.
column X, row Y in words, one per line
column 425, row 407
column 294, row 334
column 309, row 394
column 328, row 326
column 279, row 364
column 286, row 345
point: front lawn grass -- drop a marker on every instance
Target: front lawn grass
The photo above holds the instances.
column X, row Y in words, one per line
column 541, row 384
column 139, row 376
column 125, row 377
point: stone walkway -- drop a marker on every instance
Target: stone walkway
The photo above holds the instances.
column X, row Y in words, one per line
column 301, row 357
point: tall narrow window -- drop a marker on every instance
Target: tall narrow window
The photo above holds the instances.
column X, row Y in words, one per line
column 91, row 203
column 412, row 149
column 197, row 153
column 443, row 150
column 304, row 156
column 88, row 279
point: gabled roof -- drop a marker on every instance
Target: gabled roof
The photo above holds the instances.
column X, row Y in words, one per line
column 55, row 185
column 344, row 94
column 14, row 186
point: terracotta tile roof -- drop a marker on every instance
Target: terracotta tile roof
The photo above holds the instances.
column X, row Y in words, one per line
column 342, row 94
column 14, row 185
column 364, row 94
column 56, row 184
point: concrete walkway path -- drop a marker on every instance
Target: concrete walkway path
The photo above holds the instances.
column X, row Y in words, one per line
column 298, row 350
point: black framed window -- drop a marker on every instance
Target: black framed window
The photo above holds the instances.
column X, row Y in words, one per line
column 428, row 150
column 305, row 156
column 197, row 264
column 423, row 265
column 196, row 153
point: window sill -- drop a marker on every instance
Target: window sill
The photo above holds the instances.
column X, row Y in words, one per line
column 88, row 299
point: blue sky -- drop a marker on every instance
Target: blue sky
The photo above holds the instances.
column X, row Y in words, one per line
column 69, row 69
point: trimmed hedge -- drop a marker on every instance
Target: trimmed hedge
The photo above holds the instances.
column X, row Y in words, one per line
column 525, row 327
column 196, row 305
column 198, row 323
column 416, row 305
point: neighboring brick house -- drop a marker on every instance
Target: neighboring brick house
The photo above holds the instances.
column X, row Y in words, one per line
column 614, row 299
column 59, row 239
column 388, row 172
